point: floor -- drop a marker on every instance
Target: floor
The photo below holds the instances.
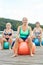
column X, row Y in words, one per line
column 6, row 59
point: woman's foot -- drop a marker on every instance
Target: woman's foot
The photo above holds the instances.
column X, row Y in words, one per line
column 10, row 49
column 15, row 55
column 40, row 45
column 1, row 48
column 31, row 54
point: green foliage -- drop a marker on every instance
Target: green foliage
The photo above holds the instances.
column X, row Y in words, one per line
column 33, row 25
column 15, row 24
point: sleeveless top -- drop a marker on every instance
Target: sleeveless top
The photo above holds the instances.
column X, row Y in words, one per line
column 37, row 32
column 24, row 34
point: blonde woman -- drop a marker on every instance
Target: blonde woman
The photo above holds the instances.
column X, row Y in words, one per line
column 7, row 34
column 23, row 34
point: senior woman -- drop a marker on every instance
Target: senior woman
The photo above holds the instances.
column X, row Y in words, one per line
column 23, row 34
column 37, row 32
column 7, row 34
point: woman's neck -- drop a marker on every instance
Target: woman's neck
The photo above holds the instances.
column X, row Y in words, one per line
column 7, row 29
column 37, row 27
column 25, row 25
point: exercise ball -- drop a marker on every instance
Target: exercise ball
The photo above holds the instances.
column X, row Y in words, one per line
column 42, row 41
column 24, row 49
column 6, row 45
column 37, row 42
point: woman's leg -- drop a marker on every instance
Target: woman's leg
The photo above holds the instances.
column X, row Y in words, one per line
column 10, row 41
column 2, row 41
column 15, row 47
column 30, row 44
column 40, row 40
column 0, row 44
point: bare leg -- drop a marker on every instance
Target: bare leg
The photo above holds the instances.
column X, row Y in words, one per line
column 30, row 44
column 40, row 40
column 16, row 46
column 2, row 41
column 10, row 41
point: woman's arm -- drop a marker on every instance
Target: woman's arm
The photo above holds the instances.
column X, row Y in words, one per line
column 31, row 33
column 18, row 30
column 3, row 34
column 30, row 30
column 34, row 30
column 40, row 32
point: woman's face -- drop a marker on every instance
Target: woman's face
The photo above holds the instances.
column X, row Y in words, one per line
column 8, row 26
column 37, row 25
column 24, row 21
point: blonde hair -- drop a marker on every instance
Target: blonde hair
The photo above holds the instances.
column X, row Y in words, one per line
column 8, row 24
column 25, row 18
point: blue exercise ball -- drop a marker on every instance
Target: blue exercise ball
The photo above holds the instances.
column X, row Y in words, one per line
column 42, row 41
column 37, row 42
column 6, row 45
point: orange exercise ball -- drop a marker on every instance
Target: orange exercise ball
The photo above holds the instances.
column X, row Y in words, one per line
column 24, row 49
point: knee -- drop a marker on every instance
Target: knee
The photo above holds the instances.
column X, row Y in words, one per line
column 17, row 39
column 29, row 38
column 30, row 44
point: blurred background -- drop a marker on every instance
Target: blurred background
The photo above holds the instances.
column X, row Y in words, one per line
column 14, row 10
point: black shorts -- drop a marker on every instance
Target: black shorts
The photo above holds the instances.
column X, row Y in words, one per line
column 24, row 39
column 7, row 39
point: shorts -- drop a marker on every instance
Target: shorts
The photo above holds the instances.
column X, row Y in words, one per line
column 24, row 39
column 7, row 39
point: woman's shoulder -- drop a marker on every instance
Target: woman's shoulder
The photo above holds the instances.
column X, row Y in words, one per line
column 4, row 29
column 40, row 28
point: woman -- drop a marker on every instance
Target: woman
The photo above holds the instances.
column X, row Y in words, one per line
column 37, row 31
column 7, row 34
column 23, row 34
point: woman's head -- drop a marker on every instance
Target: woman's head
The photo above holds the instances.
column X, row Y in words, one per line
column 24, row 20
column 37, row 24
column 8, row 25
